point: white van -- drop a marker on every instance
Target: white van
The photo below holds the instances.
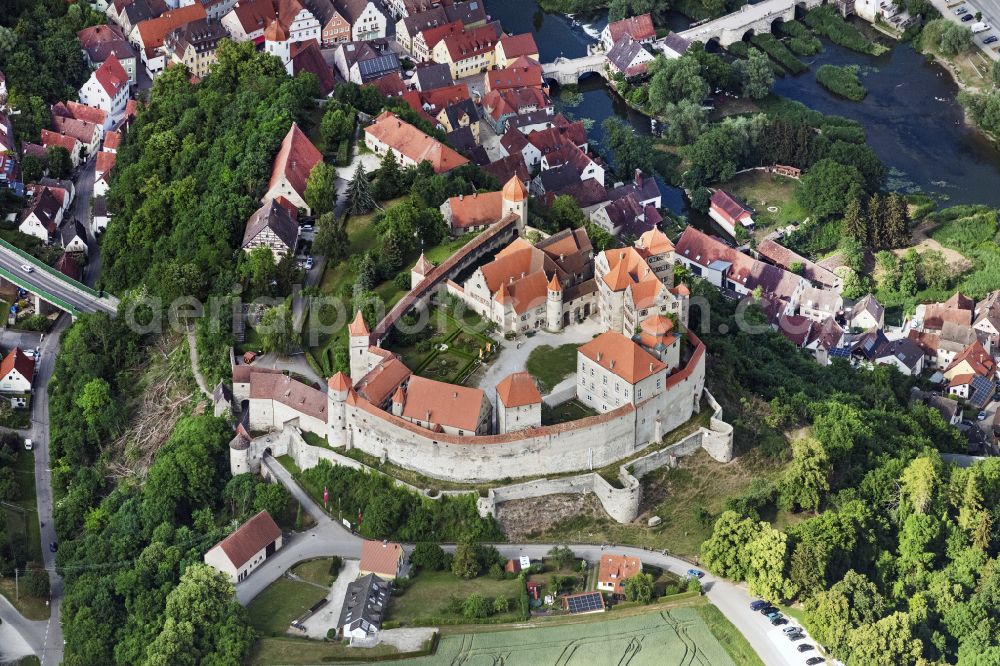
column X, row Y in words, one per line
column 28, row 445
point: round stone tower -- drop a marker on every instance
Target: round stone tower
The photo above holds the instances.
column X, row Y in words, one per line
column 515, row 200
column 339, row 386
column 239, row 452
column 554, row 306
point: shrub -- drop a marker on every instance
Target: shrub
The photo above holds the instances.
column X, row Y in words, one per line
column 335, row 564
column 779, row 53
column 826, row 21
column 475, row 606
column 842, row 81
column 428, row 556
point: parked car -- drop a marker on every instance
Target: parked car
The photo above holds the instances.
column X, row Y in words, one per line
column 28, row 445
column 981, row 416
column 967, row 17
column 796, row 637
column 805, row 647
column 767, row 610
column 758, row 604
column 773, row 614
column 53, row 546
column 778, row 621
column 960, row 11
column 990, row 39
column 694, row 573
column 309, row 263
column 791, row 630
column 26, row 268
column 812, row 661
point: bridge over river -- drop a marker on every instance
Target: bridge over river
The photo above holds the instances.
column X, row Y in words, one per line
column 758, row 18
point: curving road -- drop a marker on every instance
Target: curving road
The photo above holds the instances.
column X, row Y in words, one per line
column 329, row 537
column 54, row 284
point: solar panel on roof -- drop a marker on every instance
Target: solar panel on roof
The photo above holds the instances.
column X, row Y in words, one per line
column 585, row 603
column 982, row 391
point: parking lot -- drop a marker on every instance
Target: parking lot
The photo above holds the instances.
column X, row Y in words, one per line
column 987, row 40
column 794, row 651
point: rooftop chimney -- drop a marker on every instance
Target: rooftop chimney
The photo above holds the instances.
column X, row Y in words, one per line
column 638, row 177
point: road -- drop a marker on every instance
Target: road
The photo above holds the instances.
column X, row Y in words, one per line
column 990, row 10
column 81, row 211
column 55, row 284
column 330, row 538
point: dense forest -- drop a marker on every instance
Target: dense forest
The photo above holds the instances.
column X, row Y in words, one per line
column 894, row 554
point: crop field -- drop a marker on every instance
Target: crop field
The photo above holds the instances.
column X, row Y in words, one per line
column 666, row 638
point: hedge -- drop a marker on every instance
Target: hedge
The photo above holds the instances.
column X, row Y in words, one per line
column 778, row 52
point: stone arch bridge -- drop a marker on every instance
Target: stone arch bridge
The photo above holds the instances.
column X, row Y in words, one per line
column 757, row 19
column 567, row 71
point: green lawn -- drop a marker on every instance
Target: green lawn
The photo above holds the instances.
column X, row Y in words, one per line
column 729, row 636
column 315, row 571
column 760, row 191
column 23, row 524
column 550, row 365
column 273, row 610
column 269, row 651
column 660, row 637
column 571, row 410
column 430, row 592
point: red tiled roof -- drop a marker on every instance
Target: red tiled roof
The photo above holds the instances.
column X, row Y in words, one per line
column 730, row 209
column 383, row 380
column 470, row 42
column 978, row 358
column 291, row 392
column 250, row 538
column 339, row 382
column 476, row 209
column 638, row 28
column 522, row 73
column 381, row 557
column 50, row 138
column 357, row 327
column 17, row 361
column 443, row 404
column 432, row 36
column 390, row 85
column 515, row 46
column 112, row 140
column 407, row 140
column 112, row 76
column 295, row 160
column 153, row 31
column 613, row 351
column 518, row 390
column 615, row 569
column 104, row 162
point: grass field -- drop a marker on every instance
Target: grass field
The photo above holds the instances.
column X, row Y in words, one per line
column 550, row 365
column 272, row 610
column 430, row 593
column 315, row 571
column 23, row 524
column 571, row 410
column 270, row 651
column 760, row 190
column 662, row 638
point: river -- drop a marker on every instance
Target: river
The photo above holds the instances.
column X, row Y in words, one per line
column 912, row 132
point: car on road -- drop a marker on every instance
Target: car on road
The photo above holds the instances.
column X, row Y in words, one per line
column 53, row 546
column 812, row 661
column 694, row 573
column 758, row 604
column 981, row 416
column 805, row 647
column 26, row 268
column 778, row 621
column 309, row 263
column 990, row 39
column 28, row 445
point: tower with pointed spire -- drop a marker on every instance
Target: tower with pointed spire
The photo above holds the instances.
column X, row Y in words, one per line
column 359, row 336
column 338, row 432
column 420, row 270
column 515, row 200
column 554, row 305
column 276, row 41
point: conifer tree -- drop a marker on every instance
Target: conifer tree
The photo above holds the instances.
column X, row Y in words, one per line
column 876, row 222
column 359, row 193
column 896, row 220
column 855, row 225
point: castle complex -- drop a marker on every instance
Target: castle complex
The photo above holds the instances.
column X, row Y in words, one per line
column 643, row 376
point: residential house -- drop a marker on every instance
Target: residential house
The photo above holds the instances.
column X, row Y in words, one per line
column 612, row 371
column 430, row 76
column 68, row 265
column 87, row 134
column 819, row 304
column 730, row 213
column 974, row 361
column 71, row 144
column 382, row 558
column 950, row 410
column 773, row 252
column 101, row 216
column 987, row 317
column 512, row 47
column 866, row 314
column 363, row 62
column 410, row 26
column 148, row 36
column 363, row 609
column 645, row 189
column 111, row 141
column 958, row 310
column 499, row 106
column 460, row 114
column 107, row 88
column 83, row 112
column 194, row 44
column 519, row 404
column 614, row 570
column 639, row 28
column 441, row 407
column 307, row 57
column 103, row 165
column 626, row 216
column 509, row 167
column 823, row 339
column 522, row 73
column 367, row 18
column 410, row 145
column 130, row 13
column 472, row 212
column 42, row 216
column 904, row 354
column 73, row 237
column 101, row 41
column 674, row 46
column 292, row 165
column 469, row 50
column 240, row 553
column 426, row 40
column 17, row 372
column 275, row 226
column 567, row 153
column 389, row 85
column 629, row 58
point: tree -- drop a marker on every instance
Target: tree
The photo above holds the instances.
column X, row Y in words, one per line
column 336, row 126
column 35, row 583
column 95, row 401
column 701, row 199
column 562, row 556
column 828, row 187
column 273, row 498
column 855, row 225
column 639, row 588
column 331, row 239
column 755, row 73
column 360, row 199
column 258, row 269
column 919, row 483
column 8, row 41
column 723, row 552
column 768, row 555
column 368, row 275
column 887, row 642
column 475, row 607
column 806, row 479
column 934, row 269
column 59, row 161
column 466, row 564
column 321, row 189
column 995, row 73
column 239, row 493
column 848, row 604
column 388, row 181
column 673, row 80
column 684, row 120
column 897, row 219
column 501, row 604
column 276, row 330
column 32, row 169
column 429, row 556
column 617, row 10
